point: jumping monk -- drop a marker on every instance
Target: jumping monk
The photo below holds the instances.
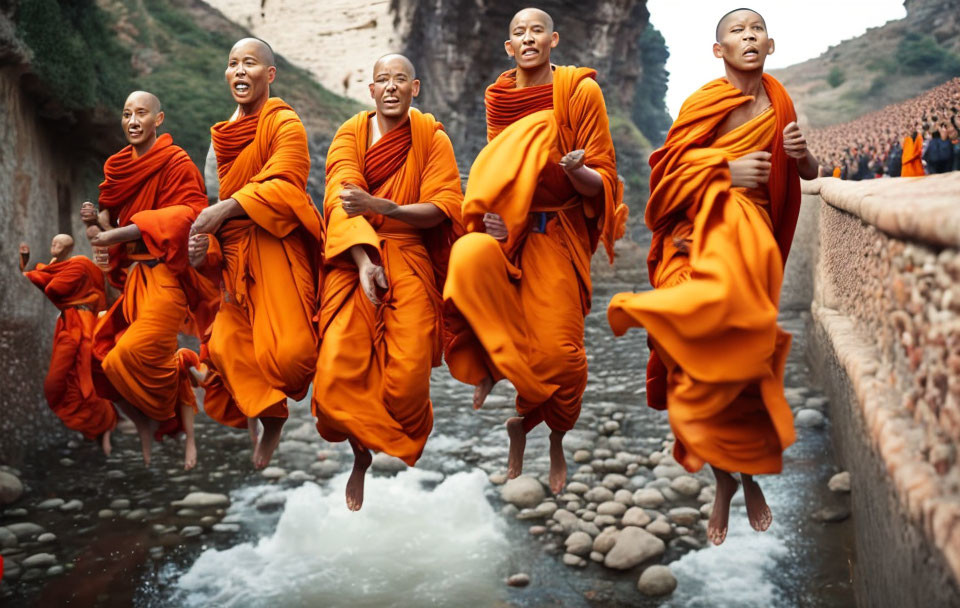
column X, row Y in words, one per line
column 76, row 287
column 912, row 163
column 392, row 207
column 725, row 194
column 266, row 230
column 150, row 195
column 540, row 196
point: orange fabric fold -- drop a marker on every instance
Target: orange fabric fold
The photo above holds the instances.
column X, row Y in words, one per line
column 262, row 346
column 517, row 311
column 911, row 162
column 373, row 371
column 716, row 264
column 68, row 386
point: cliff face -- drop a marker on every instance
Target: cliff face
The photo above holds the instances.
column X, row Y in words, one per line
column 887, row 64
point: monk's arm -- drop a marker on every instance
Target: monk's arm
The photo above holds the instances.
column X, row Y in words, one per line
column 418, row 215
column 585, row 180
column 210, row 219
column 594, row 157
column 24, row 256
column 795, row 145
column 115, row 236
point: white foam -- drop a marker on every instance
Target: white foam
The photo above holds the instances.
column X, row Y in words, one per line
column 408, row 546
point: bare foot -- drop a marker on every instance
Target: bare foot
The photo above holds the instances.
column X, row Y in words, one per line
column 558, row 464
column 268, row 441
column 105, row 443
column 757, row 510
column 253, row 426
column 480, row 393
column 198, row 376
column 518, row 441
column 361, row 462
column 189, row 454
column 146, row 431
column 726, row 488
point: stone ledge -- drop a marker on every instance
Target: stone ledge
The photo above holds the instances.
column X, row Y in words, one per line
column 896, row 436
column 925, row 209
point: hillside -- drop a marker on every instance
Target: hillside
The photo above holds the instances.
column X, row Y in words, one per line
column 887, row 64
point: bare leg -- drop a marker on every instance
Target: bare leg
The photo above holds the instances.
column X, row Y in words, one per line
column 518, row 441
column 757, row 510
column 726, row 488
column 146, row 426
column 480, row 393
column 105, row 443
column 268, row 441
column 190, row 446
column 361, row 462
column 253, row 426
column 558, row 464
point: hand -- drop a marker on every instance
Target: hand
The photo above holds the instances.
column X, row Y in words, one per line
column 572, row 160
column 88, row 214
column 107, row 238
column 356, row 201
column 210, row 219
column 371, row 277
column 794, row 143
column 750, row 170
column 494, row 226
column 24, row 249
column 101, row 256
column 197, row 246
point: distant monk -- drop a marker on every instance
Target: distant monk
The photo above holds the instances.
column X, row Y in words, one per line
column 75, row 286
column 912, row 164
column 150, row 195
column 392, row 206
column 725, row 194
column 267, row 232
column 541, row 194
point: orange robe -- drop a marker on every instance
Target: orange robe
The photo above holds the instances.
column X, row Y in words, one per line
column 373, row 372
column 836, row 172
column 517, row 309
column 75, row 286
column 912, row 163
column 716, row 265
column 161, row 192
column 263, row 345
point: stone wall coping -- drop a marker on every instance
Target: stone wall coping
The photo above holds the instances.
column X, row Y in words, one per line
column 924, row 209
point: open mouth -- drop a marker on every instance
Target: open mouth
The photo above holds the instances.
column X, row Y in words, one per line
column 391, row 101
column 241, row 87
column 751, row 53
column 134, row 132
column 530, row 52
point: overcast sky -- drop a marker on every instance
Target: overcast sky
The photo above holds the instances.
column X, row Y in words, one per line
column 689, row 28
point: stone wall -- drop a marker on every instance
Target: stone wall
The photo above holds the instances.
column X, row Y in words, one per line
column 885, row 342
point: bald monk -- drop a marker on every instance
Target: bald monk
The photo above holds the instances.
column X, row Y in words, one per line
column 541, row 195
column 75, row 286
column 912, row 163
column 392, row 206
column 150, row 195
column 265, row 228
column 725, row 194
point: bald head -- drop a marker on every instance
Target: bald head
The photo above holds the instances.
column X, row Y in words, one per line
column 397, row 61
column 144, row 99
column 141, row 116
column 256, row 47
column 61, row 246
column 528, row 14
column 733, row 15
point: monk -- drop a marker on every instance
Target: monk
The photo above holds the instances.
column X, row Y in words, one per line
column 150, row 195
column 725, row 194
column 392, row 207
column 75, row 286
column 912, row 163
column 267, row 234
column 541, row 195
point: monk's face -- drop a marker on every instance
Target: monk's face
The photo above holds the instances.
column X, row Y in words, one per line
column 531, row 38
column 742, row 41
column 393, row 87
column 249, row 73
column 61, row 245
column 141, row 117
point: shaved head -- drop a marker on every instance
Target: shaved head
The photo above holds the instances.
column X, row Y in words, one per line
column 723, row 20
column 532, row 13
column 406, row 63
column 258, row 47
column 145, row 98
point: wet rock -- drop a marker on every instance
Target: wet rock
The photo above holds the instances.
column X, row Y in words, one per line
column 226, row 528
column 547, row 508
column 602, row 453
column 520, row 579
column 613, row 465
column 51, row 503
column 273, row 473
column 605, row 541
column 387, row 464
column 11, row 489
column 706, row 510
column 684, row 516
column 648, row 498
column 25, row 530
column 208, row 521
column 611, row 507
column 106, row 514
column 596, row 556
column 599, row 494
column 325, row 468
column 509, row 510
column 537, row 530
column 11, row 572
column 33, row 574
column 120, row 504
column 589, row 527
column 670, row 495
column 300, row 476
column 202, row 500
column 581, row 456
column 602, row 521
column 831, row 515
column 808, row 418
column 115, row 474
column 136, row 515
column 573, row 560
column 524, row 491
column 624, row 497
column 615, row 480
column 557, row 529
column 54, row 570
column 668, row 471
column 8, row 539
column 15, row 512
column 270, row 502
column 588, row 516
column 660, row 527
column 707, row 494
column 579, row 543
column 565, row 518
column 72, row 505
column 635, row 516
column 498, row 478
column 156, row 552
column 47, row 537
column 190, row 531
column 576, row 487
column 840, row 482
column 610, row 427
column 67, row 462
column 633, row 546
column 188, row 513
column 39, row 560
column 817, row 403
column 656, row 581
column 685, row 485
column 686, row 542
column 573, row 505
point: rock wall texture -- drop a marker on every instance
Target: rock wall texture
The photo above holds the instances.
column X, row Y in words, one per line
column 886, row 343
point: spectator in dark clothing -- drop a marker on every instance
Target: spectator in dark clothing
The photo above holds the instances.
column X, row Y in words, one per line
column 863, row 167
column 894, row 159
column 939, row 154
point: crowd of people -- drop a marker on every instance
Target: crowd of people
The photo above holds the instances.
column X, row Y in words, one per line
column 921, row 134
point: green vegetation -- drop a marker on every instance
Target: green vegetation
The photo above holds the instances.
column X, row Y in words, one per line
column 632, row 150
column 836, row 77
column 921, row 53
column 649, row 110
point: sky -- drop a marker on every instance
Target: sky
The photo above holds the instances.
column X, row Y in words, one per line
column 689, row 27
